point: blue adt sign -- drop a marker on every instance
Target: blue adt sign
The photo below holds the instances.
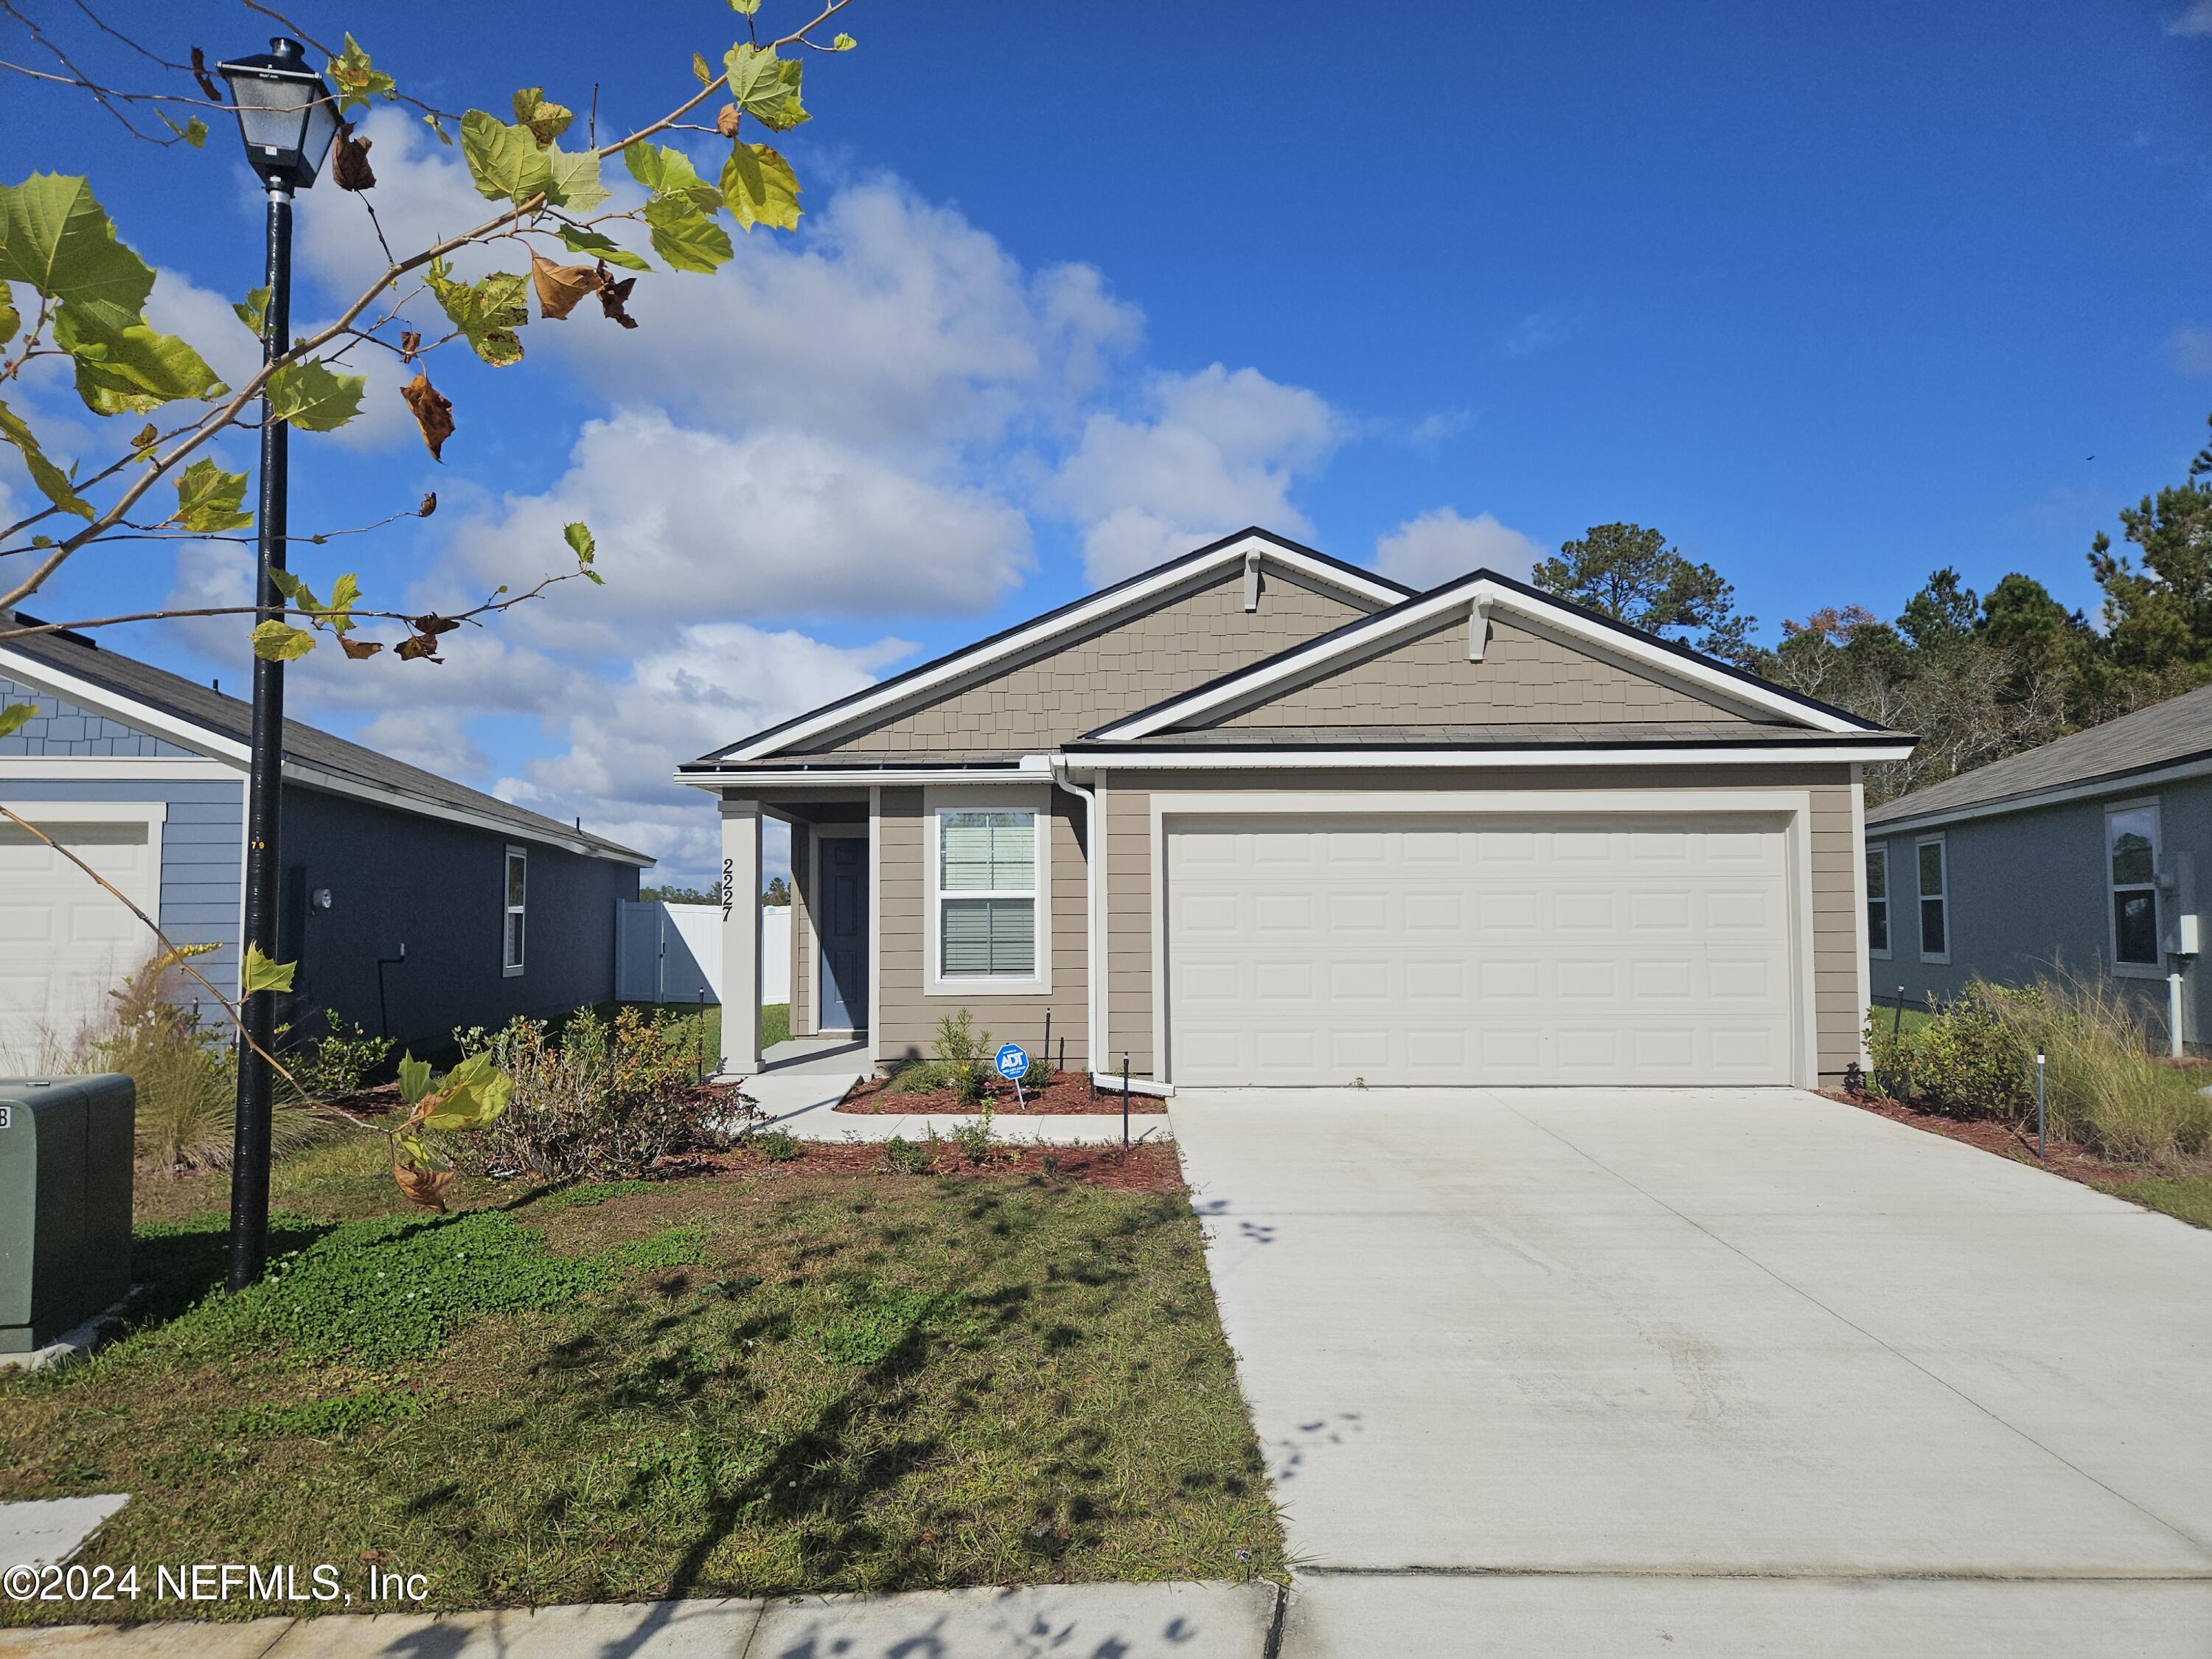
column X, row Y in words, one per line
column 1013, row 1061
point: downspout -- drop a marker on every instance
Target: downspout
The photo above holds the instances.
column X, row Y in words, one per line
column 1093, row 852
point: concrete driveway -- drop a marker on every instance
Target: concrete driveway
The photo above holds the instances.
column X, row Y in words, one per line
column 1710, row 1371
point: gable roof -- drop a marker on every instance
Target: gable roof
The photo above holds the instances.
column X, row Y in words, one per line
column 1486, row 592
column 2175, row 732
column 1095, row 610
column 73, row 667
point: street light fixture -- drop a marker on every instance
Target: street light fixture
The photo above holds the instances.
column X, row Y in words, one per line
column 287, row 119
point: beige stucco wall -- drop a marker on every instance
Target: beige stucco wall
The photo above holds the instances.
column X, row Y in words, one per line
column 1835, row 860
column 1082, row 686
column 906, row 1022
column 1522, row 677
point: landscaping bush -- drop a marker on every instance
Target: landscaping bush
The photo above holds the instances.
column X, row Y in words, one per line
column 340, row 1062
column 905, row 1156
column 961, row 1061
column 778, row 1146
column 604, row 1101
column 1964, row 1060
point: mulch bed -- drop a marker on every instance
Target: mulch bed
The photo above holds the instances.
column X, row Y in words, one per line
column 1151, row 1168
column 2066, row 1159
column 1068, row 1095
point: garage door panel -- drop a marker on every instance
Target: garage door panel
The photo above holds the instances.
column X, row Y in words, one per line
column 1472, row 953
column 64, row 939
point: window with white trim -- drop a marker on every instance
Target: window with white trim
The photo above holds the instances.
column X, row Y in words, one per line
column 987, row 893
column 518, row 892
column 1877, row 889
column 1935, row 920
column 2131, row 877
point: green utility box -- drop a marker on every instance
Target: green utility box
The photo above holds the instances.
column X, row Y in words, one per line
column 66, row 1150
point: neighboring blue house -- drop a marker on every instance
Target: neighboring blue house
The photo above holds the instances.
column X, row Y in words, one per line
column 412, row 905
column 2085, row 852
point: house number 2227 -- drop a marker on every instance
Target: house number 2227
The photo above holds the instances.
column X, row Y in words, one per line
column 729, row 886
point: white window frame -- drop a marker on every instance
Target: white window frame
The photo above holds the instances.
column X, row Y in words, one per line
column 2153, row 968
column 1033, row 798
column 1941, row 895
column 508, row 910
column 1888, row 902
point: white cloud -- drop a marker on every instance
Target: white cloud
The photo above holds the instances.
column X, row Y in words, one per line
column 2197, row 20
column 1440, row 545
column 2191, row 347
column 1539, row 330
column 430, row 738
column 1221, row 450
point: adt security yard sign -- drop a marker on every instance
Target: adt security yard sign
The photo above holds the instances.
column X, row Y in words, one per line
column 1014, row 1066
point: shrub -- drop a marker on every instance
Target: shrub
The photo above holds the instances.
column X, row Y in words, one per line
column 605, row 1101
column 338, row 1063
column 964, row 1055
column 905, row 1156
column 778, row 1146
column 975, row 1139
column 1965, row 1060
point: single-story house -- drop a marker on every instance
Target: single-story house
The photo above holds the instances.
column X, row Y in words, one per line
column 2081, row 856
column 1260, row 817
column 411, row 905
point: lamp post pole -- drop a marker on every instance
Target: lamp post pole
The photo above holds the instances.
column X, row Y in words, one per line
column 249, row 1164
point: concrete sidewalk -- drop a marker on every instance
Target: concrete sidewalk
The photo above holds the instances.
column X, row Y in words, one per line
column 1130, row 1621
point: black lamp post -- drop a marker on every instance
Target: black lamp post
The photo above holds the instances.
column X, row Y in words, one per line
column 287, row 117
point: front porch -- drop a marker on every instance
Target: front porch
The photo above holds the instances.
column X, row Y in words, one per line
column 832, row 922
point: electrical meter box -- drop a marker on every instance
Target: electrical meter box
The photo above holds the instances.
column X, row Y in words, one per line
column 65, row 1152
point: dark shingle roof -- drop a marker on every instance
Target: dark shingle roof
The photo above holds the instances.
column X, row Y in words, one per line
column 2178, row 730
column 410, row 787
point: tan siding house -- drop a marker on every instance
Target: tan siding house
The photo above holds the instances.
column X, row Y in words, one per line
column 1258, row 817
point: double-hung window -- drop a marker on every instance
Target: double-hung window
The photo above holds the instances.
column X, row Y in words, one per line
column 1877, row 887
column 986, row 894
column 2131, row 875
column 1935, row 920
column 518, row 889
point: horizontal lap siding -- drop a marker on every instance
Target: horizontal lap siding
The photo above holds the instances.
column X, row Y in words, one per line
column 1834, row 856
column 802, row 931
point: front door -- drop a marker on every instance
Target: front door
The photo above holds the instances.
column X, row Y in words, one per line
column 843, row 920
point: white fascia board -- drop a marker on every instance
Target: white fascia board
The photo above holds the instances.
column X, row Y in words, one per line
column 143, row 768
column 401, row 800
column 1443, row 603
column 1034, row 769
column 2057, row 795
column 1317, row 760
column 1132, row 598
column 29, row 671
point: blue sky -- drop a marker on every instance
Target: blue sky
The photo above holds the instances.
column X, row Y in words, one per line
column 1833, row 296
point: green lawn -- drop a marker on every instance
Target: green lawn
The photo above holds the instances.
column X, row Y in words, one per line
column 2188, row 1197
column 736, row 1384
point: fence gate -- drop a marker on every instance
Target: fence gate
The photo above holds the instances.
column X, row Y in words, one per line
column 653, row 963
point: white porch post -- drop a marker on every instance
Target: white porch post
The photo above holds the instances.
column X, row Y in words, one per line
column 741, row 936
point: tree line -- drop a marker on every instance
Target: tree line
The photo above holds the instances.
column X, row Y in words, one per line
column 1977, row 675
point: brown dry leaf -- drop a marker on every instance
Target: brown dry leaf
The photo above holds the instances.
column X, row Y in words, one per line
column 350, row 169
column 434, row 624
column 559, row 287
column 417, row 645
column 143, row 436
column 410, row 341
column 434, row 413
column 726, row 120
column 614, row 294
column 359, row 650
column 423, row 1188
column 429, row 506
column 200, row 75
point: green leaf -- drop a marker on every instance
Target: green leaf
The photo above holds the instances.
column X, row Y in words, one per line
column 54, row 484
column 843, row 42
column 343, row 596
column 10, row 318
column 602, row 247
column 259, row 973
column 575, row 183
column 253, row 312
column 134, row 370
column 289, row 584
column 486, row 313
column 473, row 1101
column 356, row 79
column 764, row 86
column 430, row 119
column 745, row 8
column 313, row 399
column 686, row 239
column 15, row 716
column 279, row 642
column 55, row 239
column 208, row 499
column 193, row 132
column 578, row 537
column 414, row 1078
column 504, row 160
column 666, row 172
column 760, row 188
column 545, row 119
column 700, row 69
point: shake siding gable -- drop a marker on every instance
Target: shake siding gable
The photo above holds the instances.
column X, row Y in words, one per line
column 60, row 728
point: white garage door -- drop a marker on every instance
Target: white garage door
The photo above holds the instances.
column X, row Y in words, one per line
column 63, row 941
column 1323, row 950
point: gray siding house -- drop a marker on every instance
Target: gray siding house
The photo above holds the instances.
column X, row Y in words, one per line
column 1257, row 816
column 2083, row 855
column 411, row 904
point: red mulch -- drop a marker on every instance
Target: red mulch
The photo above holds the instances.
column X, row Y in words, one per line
column 1068, row 1095
column 2066, row 1159
column 1152, row 1167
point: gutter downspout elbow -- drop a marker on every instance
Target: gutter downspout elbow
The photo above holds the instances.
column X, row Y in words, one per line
column 1094, row 851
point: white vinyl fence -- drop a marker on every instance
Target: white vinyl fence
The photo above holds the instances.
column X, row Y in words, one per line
column 670, row 953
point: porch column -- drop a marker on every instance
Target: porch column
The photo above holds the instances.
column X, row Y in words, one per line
column 741, row 936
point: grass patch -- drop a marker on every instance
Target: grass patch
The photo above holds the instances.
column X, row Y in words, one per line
column 744, row 1385
column 2187, row 1198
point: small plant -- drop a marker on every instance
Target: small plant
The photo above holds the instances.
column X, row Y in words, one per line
column 340, row 1062
column 963, row 1058
column 905, row 1156
column 778, row 1146
column 975, row 1139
